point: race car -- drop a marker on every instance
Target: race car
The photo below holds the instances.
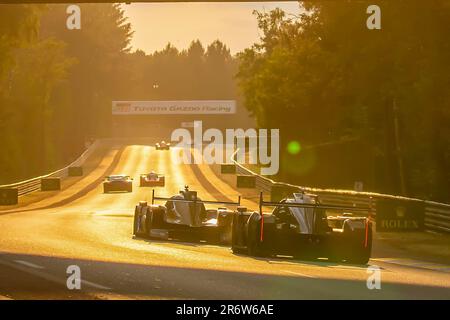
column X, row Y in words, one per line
column 298, row 226
column 152, row 179
column 162, row 145
column 119, row 182
column 184, row 217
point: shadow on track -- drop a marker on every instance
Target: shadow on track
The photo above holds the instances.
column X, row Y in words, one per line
column 158, row 281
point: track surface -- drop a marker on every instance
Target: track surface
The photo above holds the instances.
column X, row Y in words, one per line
column 84, row 227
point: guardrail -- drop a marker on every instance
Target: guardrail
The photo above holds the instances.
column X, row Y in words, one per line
column 34, row 184
column 437, row 215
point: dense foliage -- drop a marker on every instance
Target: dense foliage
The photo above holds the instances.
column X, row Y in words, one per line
column 359, row 104
column 56, row 84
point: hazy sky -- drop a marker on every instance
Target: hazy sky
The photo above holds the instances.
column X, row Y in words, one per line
column 156, row 24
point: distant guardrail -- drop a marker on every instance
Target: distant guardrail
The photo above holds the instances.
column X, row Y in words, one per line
column 34, row 184
column 437, row 215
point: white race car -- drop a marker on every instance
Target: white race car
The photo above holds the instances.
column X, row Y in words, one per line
column 184, row 217
column 162, row 145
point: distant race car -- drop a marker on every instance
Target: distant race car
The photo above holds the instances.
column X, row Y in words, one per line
column 298, row 226
column 152, row 179
column 162, row 145
column 119, row 182
column 184, row 217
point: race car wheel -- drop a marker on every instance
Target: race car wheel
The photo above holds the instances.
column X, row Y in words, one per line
column 130, row 188
column 136, row 222
column 154, row 219
column 253, row 241
column 148, row 222
column 253, row 248
column 357, row 251
column 158, row 218
column 361, row 255
column 237, row 233
column 225, row 235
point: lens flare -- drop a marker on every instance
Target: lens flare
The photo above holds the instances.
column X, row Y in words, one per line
column 294, row 147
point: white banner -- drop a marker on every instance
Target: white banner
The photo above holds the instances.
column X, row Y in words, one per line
column 174, row 107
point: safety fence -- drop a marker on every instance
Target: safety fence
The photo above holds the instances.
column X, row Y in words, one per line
column 34, row 184
column 436, row 215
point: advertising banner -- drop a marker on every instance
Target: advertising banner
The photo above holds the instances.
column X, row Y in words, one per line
column 173, row 107
column 398, row 215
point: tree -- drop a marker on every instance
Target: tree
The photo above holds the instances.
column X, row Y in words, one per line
column 337, row 79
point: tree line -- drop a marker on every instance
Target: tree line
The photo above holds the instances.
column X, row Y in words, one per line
column 349, row 98
column 56, row 85
column 383, row 91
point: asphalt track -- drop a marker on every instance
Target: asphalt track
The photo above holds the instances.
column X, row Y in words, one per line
column 83, row 226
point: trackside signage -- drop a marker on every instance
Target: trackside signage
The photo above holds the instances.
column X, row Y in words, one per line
column 398, row 215
column 173, row 107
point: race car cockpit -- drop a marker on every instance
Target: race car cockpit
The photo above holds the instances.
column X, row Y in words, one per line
column 186, row 208
column 152, row 176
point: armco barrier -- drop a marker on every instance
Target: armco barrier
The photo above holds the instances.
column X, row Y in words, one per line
column 8, row 196
column 34, row 184
column 50, row 184
column 246, row 181
column 227, row 168
column 280, row 191
column 262, row 183
column 75, row 171
column 436, row 215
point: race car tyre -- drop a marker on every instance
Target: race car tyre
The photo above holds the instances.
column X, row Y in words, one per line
column 361, row 254
column 105, row 189
column 234, row 247
column 237, row 234
column 154, row 219
column 141, row 182
column 135, row 222
column 253, row 240
column 130, row 188
column 357, row 252
column 148, row 222
column 225, row 235
column 158, row 218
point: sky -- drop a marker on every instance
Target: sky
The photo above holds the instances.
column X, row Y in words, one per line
column 156, row 24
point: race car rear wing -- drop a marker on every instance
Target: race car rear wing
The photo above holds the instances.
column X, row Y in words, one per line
column 263, row 203
column 238, row 203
